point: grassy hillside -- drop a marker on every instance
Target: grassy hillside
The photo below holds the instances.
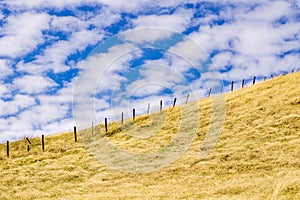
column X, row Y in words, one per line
column 256, row 157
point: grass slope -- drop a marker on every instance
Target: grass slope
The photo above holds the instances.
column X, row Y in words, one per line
column 256, row 157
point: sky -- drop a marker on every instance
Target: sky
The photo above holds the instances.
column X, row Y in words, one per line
column 59, row 57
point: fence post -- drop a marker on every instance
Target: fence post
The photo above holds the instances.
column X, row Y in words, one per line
column 28, row 146
column 105, row 121
column 254, row 78
column 232, row 86
column 75, row 134
column 243, row 83
column 43, row 143
column 148, row 111
column 28, row 140
column 122, row 118
column 133, row 114
column 174, row 102
column 7, row 148
column 271, row 76
column 292, row 71
column 187, row 98
column 160, row 108
column 209, row 92
column 265, row 78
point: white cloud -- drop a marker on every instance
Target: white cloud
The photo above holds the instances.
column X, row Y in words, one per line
column 22, row 33
column 3, row 90
column 23, row 4
column 261, row 39
column 104, row 18
column 79, row 37
column 33, row 116
column 42, row 114
column 223, row 59
column 117, row 6
column 67, row 24
column 267, row 11
column 33, row 84
column 153, row 81
column 126, row 5
column 19, row 103
column 71, row 24
column 55, row 56
column 255, row 37
column 146, row 35
column 178, row 21
column 35, row 121
column 5, row 68
column 150, row 28
column 100, row 70
column 63, row 96
column 60, row 126
column 190, row 51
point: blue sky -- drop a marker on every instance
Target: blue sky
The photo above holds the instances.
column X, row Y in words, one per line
column 47, row 45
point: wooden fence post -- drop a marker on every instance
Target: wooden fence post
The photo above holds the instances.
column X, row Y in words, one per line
column 122, row 117
column 133, row 114
column 254, row 78
column 28, row 140
column 43, row 143
column 187, row 98
column 292, row 71
column 232, row 86
column 7, row 148
column 92, row 128
column 75, row 134
column 209, row 92
column 148, row 111
column 160, row 108
column 271, row 76
column 243, row 83
column 28, row 146
column 105, row 121
column 174, row 103
column 265, row 78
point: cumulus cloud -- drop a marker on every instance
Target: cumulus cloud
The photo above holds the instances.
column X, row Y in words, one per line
column 177, row 21
column 67, row 24
column 23, row 4
column 19, row 103
column 127, row 5
column 100, row 73
column 32, row 84
column 253, row 40
column 22, row 33
column 54, row 57
column 150, row 28
column 5, row 68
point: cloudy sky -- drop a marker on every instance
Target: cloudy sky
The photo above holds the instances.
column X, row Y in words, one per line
column 50, row 49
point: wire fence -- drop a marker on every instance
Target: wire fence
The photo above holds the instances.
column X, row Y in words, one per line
column 160, row 106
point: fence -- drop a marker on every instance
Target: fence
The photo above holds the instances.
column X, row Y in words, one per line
column 231, row 87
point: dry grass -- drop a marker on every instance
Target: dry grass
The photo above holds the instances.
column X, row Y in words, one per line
column 256, row 157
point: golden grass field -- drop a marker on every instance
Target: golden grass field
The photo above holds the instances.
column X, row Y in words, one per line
column 256, row 157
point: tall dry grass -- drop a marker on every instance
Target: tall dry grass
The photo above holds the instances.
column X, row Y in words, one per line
column 256, row 157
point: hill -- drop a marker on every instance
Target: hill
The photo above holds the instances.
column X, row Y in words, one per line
column 256, row 157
